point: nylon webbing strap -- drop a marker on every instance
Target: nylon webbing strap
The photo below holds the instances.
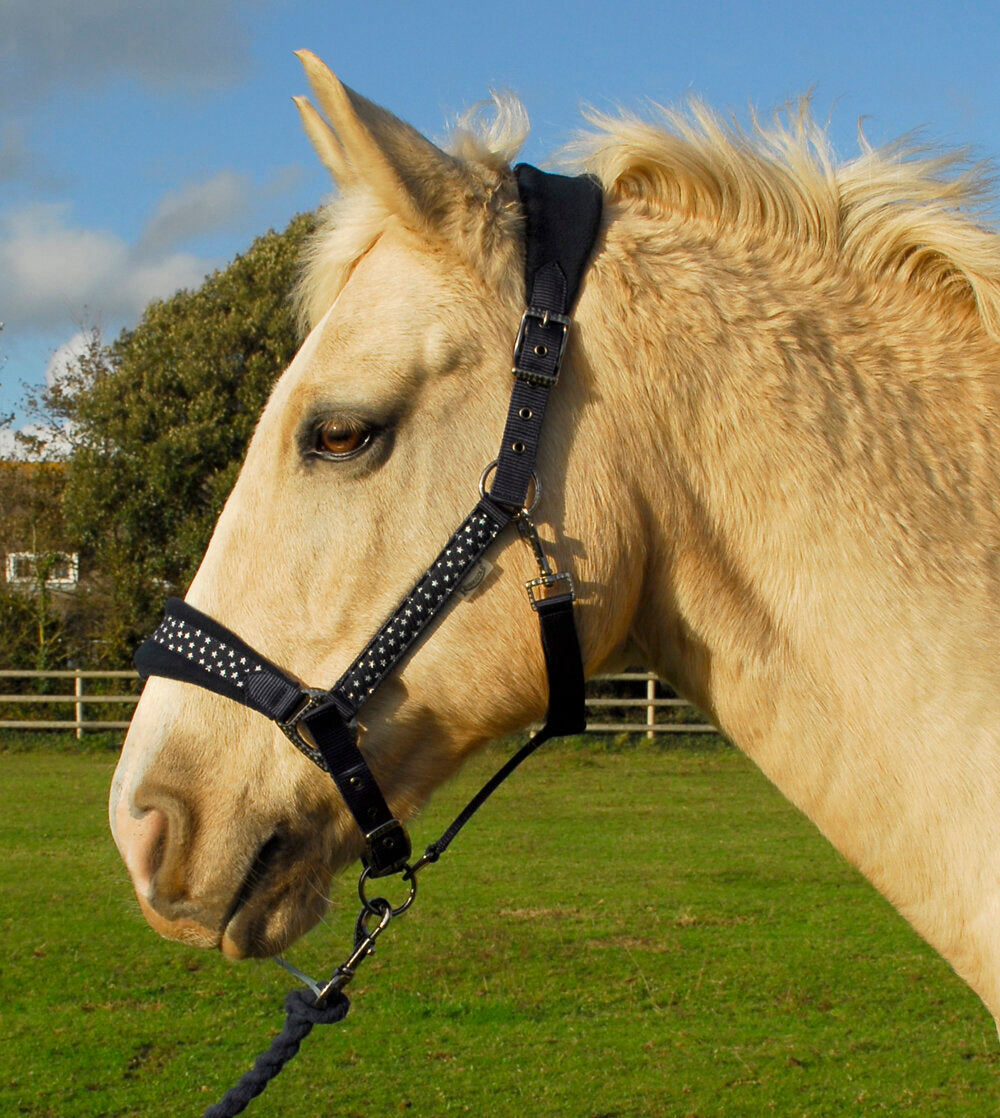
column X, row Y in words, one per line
column 192, row 647
column 563, row 665
column 387, row 845
column 562, row 216
column 424, row 602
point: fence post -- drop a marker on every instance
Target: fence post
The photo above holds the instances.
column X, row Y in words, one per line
column 650, row 708
column 78, row 705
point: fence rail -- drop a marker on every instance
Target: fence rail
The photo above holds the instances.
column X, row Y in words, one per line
column 652, row 710
column 80, row 699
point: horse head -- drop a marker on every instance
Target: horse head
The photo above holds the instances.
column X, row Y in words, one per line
column 365, row 458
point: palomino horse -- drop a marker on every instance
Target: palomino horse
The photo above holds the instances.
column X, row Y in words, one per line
column 771, row 466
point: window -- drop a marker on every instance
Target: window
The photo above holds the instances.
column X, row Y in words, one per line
column 63, row 568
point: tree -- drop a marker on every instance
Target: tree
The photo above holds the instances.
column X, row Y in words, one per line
column 33, row 628
column 30, row 629
column 6, row 420
column 154, row 427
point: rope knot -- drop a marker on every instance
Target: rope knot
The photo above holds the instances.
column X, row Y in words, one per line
column 301, row 1008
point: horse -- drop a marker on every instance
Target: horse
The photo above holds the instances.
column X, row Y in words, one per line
column 771, row 466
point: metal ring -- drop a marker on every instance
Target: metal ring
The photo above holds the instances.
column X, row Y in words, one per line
column 528, row 509
column 369, row 904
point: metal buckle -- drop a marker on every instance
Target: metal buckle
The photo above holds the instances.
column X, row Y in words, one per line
column 547, row 577
column 375, row 861
column 546, row 319
column 547, row 581
column 290, row 727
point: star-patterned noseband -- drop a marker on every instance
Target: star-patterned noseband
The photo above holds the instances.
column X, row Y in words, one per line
column 562, row 216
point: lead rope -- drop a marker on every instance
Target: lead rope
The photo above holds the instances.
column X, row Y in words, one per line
column 326, row 1003
column 302, row 1013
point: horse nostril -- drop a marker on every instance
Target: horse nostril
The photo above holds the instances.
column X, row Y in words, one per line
column 142, row 841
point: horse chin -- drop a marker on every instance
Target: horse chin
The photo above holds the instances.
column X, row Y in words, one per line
column 271, row 920
column 184, row 930
column 254, row 932
column 264, row 935
column 262, row 925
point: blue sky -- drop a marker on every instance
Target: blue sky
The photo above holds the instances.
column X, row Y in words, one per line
column 142, row 145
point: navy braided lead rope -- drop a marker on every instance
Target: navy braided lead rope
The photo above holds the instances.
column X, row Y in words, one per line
column 301, row 1014
column 300, row 1005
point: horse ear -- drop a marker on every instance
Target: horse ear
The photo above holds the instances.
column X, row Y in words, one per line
column 368, row 145
column 325, row 142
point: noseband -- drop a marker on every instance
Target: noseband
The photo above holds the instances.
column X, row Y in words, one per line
column 562, row 216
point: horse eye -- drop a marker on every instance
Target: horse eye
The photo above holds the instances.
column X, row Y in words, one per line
column 339, row 438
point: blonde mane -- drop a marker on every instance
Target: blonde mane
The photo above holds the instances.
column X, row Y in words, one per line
column 897, row 211
column 901, row 211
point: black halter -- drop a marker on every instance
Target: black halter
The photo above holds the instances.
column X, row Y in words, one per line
column 562, row 216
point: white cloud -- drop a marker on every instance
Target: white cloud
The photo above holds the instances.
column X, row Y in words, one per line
column 52, row 271
column 66, row 356
column 56, row 445
column 8, row 448
column 220, row 202
column 143, row 280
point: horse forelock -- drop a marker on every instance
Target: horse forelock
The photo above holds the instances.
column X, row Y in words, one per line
column 349, row 226
column 901, row 211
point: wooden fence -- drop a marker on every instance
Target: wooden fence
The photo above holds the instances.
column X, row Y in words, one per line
column 77, row 701
column 648, row 707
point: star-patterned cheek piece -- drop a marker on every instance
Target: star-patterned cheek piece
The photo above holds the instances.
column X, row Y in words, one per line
column 444, row 576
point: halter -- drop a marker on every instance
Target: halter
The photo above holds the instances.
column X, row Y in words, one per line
column 562, row 216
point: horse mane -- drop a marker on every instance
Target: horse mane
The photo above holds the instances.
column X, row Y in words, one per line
column 903, row 211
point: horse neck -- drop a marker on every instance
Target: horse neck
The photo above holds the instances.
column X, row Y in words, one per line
column 814, row 464
column 775, row 403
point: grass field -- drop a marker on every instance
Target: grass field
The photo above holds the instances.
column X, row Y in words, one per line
column 629, row 933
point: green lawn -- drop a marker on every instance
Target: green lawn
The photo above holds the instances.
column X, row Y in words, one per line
column 617, row 934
